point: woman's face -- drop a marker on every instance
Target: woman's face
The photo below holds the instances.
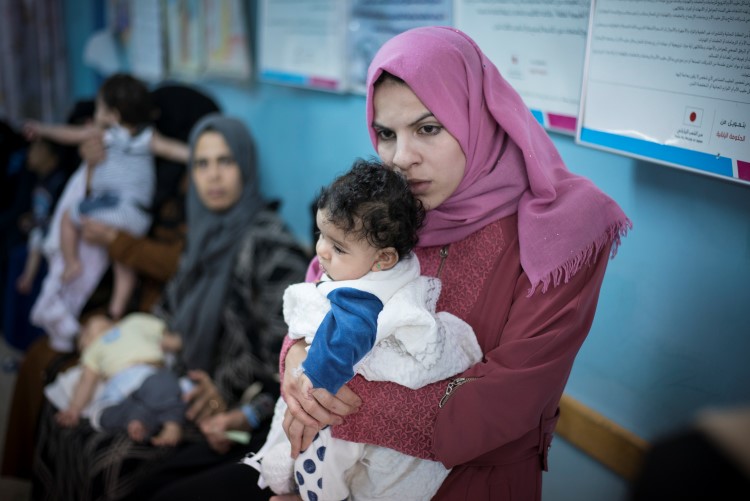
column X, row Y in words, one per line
column 216, row 175
column 412, row 140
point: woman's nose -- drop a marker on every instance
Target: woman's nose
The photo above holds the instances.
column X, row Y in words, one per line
column 213, row 170
column 405, row 155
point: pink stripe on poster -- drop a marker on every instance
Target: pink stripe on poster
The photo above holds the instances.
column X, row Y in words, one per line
column 325, row 83
column 743, row 170
column 562, row 122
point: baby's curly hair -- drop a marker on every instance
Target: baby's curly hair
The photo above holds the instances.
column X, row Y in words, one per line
column 380, row 198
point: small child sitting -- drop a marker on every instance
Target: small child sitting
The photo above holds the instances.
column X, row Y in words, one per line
column 139, row 393
column 42, row 161
column 371, row 313
column 120, row 190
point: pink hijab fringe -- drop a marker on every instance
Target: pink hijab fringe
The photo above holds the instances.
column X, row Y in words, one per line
column 564, row 272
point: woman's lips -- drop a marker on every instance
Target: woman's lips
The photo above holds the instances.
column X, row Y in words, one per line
column 215, row 193
column 419, row 187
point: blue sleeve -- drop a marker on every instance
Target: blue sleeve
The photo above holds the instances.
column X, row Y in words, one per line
column 346, row 334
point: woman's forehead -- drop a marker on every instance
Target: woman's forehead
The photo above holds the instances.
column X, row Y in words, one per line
column 397, row 102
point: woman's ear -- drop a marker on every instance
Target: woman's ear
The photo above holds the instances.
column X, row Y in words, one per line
column 386, row 259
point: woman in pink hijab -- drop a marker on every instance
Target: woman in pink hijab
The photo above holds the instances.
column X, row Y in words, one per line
column 521, row 246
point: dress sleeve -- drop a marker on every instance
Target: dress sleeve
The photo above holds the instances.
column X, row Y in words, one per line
column 525, row 374
column 157, row 260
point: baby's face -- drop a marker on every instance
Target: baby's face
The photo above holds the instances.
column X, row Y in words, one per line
column 343, row 256
column 40, row 157
column 104, row 116
column 94, row 328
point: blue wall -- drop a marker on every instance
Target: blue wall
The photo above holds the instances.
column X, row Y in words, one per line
column 671, row 334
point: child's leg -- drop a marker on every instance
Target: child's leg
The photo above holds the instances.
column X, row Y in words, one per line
column 124, row 284
column 320, row 470
column 69, row 248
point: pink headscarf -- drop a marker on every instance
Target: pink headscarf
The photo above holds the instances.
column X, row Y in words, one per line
column 511, row 164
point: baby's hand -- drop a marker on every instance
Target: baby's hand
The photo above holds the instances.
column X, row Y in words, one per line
column 67, row 418
column 31, row 129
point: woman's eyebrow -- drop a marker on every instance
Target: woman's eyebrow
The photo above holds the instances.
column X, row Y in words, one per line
column 426, row 114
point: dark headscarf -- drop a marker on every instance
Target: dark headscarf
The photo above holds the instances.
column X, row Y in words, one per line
column 196, row 295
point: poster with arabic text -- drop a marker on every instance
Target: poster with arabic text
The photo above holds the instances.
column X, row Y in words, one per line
column 669, row 82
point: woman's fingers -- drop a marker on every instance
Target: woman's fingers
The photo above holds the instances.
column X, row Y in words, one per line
column 299, row 413
column 96, row 232
column 204, row 398
column 92, row 150
column 300, row 436
column 345, row 402
column 214, row 429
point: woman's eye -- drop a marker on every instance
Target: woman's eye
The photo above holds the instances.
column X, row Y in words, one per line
column 431, row 130
column 384, row 134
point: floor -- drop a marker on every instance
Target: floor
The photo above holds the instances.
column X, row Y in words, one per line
column 11, row 489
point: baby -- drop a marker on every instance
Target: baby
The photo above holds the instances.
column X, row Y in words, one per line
column 371, row 313
column 139, row 393
column 120, row 189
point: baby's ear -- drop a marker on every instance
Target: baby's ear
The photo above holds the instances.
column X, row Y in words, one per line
column 386, row 259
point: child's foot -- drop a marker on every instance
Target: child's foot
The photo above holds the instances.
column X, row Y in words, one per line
column 136, row 431
column 71, row 271
column 169, row 436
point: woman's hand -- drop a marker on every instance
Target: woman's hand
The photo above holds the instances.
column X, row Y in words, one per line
column 97, row 233
column 92, row 150
column 215, row 427
column 310, row 411
column 204, row 399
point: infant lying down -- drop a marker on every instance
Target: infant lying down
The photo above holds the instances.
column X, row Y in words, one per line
column 121, row 382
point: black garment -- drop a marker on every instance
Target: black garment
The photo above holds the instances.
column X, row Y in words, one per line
column 689, row 466
column 197, row 473
column 228, row 481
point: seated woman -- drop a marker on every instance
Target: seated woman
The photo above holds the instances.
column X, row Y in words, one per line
column 224, row 303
